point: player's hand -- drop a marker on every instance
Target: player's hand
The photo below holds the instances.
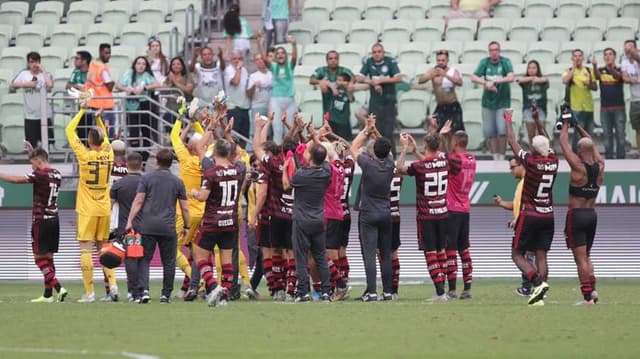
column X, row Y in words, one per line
column 497, row 200
column 194, row 193
column 185, row 232
column 229, row 126
column 511, row 224
column 446, row 128
column 404, row 140
column 253, row 223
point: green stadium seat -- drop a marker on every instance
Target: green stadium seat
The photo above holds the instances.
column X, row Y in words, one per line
column 571, row 9
column 334, row 32
column 31, row 36
column 351, row 55
column 461, row 30
column 621, row 29
column 466, row 70
column 14, row 58
column 438, row 9
column 117, row 13
column 557, row 29
column 544, row 52
column 453, row 47
column 311, row 102
column 53, row 57
column 418, row 71
column 414, row 52
column 178, row 14
column 630, row 8
column 304, row 33
column 164, row 34
column 349, row 11
column 598, row 49
column 47, row 13
column 13, row 135
column 554, row 74
column 61, row 77
column 14, row 13
column 136, row 34
column 525, row 29
column 513, row 50
column 510, row 9
column 397, row 31
column 101, row 33
column 301, row 77
column 6, row 33
column 317, row 10
column 122, row 57
column 6, row 76
column 411, row 9
column 426, row 30
column 365, row 32
column 412, row 108
column 566, row 50
column 380, row 10
column 495, row 29
column 66, row 35
column 474, row 51
column 589, row 29
column 544, row 9
column 11, row 104
column 315, row 54
column 83, row 13
column 604, row 8
column 152, row 11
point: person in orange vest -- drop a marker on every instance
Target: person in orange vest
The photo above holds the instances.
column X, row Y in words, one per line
column 99, row 79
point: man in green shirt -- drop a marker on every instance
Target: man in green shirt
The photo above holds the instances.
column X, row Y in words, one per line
column 81, row 68
column 381, row 73
column 494, row 73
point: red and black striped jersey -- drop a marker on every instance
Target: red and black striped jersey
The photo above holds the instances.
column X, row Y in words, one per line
column 431, row 186
column 46, row 185
column 349, row 167
column 279, row 200
column 263, row 216
column 220, row 209
column 537, row 191
column 396, row 186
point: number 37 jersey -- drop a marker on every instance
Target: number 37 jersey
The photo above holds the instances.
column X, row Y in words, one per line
column 537, row 191
column 431, row 186
column 93, row 185
column 223, row 184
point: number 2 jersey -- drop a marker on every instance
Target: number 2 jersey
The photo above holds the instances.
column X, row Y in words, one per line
column 95, row 171
column 431, row 186
column 46, row 185
column 537, row 191
column 220, row 209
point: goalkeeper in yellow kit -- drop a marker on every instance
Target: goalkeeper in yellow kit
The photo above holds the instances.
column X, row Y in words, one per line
column 93, row 204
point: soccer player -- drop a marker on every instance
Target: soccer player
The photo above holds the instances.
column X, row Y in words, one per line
column 462, row 172
column 92, row 202
column 535, row 225
column 220, row 189
column 431, row 174
column 396, row 187
column 587, row 175
column 45, row 226
column 349, row 168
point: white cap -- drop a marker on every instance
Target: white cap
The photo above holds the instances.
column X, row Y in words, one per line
column 195, row 137
column 118, row 146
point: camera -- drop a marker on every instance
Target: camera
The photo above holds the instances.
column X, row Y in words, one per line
column 566, row 115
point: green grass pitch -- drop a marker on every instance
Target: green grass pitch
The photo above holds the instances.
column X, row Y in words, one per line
column 495, row 324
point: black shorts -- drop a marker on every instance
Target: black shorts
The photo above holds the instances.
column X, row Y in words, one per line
column 281, row 231
column 395, row 235
column 45, row 236
column 208, row 240
column 450, row 111
column 458, row 231
column 580, row 227
column 334, row 234
column 263, row 235
column 432, row 234
column 533, row 233
column 346, row 229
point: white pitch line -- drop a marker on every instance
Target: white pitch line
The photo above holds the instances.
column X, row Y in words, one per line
column 84, row 352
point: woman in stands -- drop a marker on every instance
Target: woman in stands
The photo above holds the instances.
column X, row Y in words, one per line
column 237, row 32
column 139, row 81
column 180, row 79
column 534, row 94
column 157, row 60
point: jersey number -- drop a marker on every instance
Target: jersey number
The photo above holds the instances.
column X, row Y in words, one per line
column 229, row 193
column 545, row 186
column 435, row 184
column 94, row 170
column 53, row 194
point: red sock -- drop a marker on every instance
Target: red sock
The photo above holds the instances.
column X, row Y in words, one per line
column 592, row 280
column 45, row 269
column 442, row 259
column 268, row 272
column 334, row 275
column 467, row 269
column 433, row 265
column 343, row 263
column 395, row 280
column 317, row 286
column 586, row 289
column 227, row 277
column 291, row 277
column 206, row 273
column 54, row 282
column 452, row 268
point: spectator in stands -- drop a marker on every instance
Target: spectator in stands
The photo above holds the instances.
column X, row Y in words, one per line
column 494, row 73
column 476, row 9
column 382, row 74
column 275, row 16
column 271, row 54
column 580, row 81
column 612, row 109
column 208, row 74
column 237, row 32
column 138, row 81
column 325, row 78
column 178, row 78
column 157, row 60
column 81, row 68
column 99, row 80
column 534, row 94
column 259, row 91
column 34, row 80
column 236, row 79
column 631, row 75
column 445, row 79
column 282, row 97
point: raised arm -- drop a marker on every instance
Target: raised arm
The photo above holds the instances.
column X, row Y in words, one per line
column 404, row 143
column 102, row 127
column 539, row 124
column 511, row 138
column 569, row 155
column 294, row 50
column 176, row 141
column 72, row 137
